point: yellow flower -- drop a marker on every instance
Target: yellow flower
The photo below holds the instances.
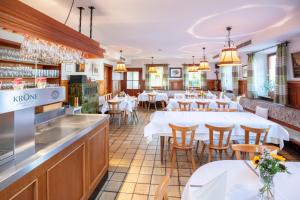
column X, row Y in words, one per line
column 277, row 157
column 256, row 160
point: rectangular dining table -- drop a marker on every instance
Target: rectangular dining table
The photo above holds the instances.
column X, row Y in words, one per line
column 159, row 124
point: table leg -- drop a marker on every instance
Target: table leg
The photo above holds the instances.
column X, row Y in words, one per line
column 162, row 145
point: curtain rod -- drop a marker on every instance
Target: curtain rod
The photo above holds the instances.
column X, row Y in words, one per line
column 286, row 42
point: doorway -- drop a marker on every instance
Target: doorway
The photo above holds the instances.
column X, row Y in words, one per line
column 108, row 78
column 133, row 81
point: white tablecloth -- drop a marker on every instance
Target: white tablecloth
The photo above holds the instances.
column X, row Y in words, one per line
column 173, row 103
column 242, row 183
column 160, row 120
column 127, row 104
column 159, row 96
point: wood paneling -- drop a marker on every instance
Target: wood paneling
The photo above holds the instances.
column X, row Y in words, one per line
column 242, row 87
column 97, row 156
column 101, row 88
column 18, row 17
column 176, row 84
column 213, row 84
column 67, row 175
column 10, row 44
column 294, row 94
column 29, row 192
column 108, row 70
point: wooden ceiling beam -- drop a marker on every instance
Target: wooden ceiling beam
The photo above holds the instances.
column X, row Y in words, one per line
column 23, row 19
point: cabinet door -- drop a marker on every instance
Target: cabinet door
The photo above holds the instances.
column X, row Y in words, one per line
column 66, row 179
column 29, row 192
column 97, row 156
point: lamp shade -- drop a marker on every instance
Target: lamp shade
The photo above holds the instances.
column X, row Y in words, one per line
column 120, row 68
column 152, row 70
column 203, row 66
column 193, row 68
column 229, row 57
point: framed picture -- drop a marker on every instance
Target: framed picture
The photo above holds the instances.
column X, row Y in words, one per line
column 69, row 67
column 80, row 67
column 296, row 64
column 95, row 69
column 175, row 72
column 245, row 71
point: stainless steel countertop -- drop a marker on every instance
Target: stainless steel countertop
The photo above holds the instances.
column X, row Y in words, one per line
column 51, row 137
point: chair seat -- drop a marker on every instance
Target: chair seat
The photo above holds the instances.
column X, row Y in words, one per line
column 187, row 141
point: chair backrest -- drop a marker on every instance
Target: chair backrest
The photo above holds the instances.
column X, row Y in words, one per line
column 227, row 110
column 222, row 136
column 190, row 96
column 258, row 131
column 262, row 112
column 250, row 149
column 223, row 104
column 184, row 106
column 114, row 106
column 161, row 192
column 185, row 133
column 108, row 97
column 202, row 104
column 152, row 97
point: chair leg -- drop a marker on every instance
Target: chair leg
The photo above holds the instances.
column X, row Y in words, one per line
column 173, row 160
column 209, row 154
column 155, row 106
column 197, row 146
column 202, row 151
column 226, row 154
column 192, row 159
column 220, row 154
column 148, row 105
column 119, row 116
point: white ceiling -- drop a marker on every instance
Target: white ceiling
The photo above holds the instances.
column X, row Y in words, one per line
column 177, row 28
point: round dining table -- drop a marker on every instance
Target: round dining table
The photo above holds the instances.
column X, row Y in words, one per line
column 239, row 180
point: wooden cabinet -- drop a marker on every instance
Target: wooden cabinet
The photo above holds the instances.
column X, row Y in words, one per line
column 294, row 94
column 72, row 174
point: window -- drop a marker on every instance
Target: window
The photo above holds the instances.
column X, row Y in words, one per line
column 194, row 79
column 271, row 67
column 228, row 85
column 156, row 79
column 133, row 80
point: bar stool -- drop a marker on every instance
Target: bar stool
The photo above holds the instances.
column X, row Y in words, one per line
column 182, row 139
column 184, row 106
column 223, row 140
column 152, row 100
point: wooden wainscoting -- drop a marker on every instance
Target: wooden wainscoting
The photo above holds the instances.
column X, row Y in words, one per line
column 242, row 87
column 176, row 84
column 294, row 94
column 213, row 84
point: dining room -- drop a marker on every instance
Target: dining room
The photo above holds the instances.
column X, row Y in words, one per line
column 195, row 100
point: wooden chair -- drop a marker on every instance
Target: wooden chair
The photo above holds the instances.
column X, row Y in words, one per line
column 183, row 139
column 220, row 146
column 226, row 110
column 184, row 106
column 223, row 104
column 114, row 109
column 251, row 149
column 202, row 104
column 152, row 100
column 203, row 109
column 190, row 96
column 134, row 110
column 258, row 131
column 161, row 192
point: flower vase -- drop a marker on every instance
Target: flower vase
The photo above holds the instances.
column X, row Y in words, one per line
column 266, row 191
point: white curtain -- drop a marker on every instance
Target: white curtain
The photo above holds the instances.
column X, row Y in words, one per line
column 260, row 73
column 228, row 84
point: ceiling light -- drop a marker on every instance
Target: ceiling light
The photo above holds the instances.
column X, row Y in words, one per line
column 152, row 69
column 193, row 68
column 120, row 68
column 204, row 66
column 229, row 55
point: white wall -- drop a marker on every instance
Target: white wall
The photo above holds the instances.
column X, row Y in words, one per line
column 173, row 62
column 99, row 63
column 294, row 46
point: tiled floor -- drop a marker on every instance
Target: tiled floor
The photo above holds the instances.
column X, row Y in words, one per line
column 135, row 169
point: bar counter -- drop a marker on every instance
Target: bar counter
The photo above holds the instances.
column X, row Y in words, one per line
column 51, row 139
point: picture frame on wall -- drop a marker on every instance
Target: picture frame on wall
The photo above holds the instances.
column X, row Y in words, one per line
column 80, row 67
column 95, row 69
column 69, row 67
column 175, row 72
column 296, row 64
column 245, row 71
